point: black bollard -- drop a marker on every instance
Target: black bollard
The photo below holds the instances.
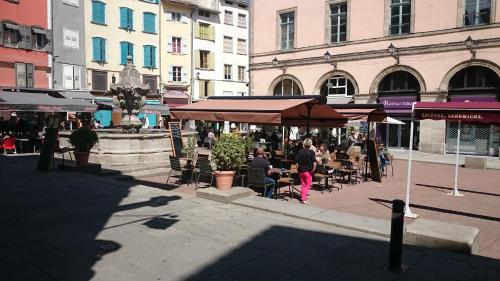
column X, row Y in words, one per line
column 396, row 243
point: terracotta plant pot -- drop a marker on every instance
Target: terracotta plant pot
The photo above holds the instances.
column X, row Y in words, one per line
column 81, row 158
column 224, row 179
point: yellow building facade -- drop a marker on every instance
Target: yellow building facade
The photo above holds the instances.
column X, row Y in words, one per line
column 117, row 29
column 176, row 51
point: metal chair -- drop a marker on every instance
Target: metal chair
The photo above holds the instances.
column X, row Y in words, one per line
column 175, row 166
column 288, row 179
column 256, row 179
column 322, row 173
column 204, row 169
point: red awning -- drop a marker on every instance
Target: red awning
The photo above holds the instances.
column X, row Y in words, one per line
column 469, row 112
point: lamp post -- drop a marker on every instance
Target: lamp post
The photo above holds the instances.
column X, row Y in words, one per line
column 328, row 58
column 471, row 45
column 393, row 51
column 276, row 63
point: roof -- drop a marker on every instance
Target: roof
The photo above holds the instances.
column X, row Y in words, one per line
column 42, row 102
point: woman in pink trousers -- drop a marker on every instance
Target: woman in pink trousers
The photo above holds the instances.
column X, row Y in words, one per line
column 306, row 162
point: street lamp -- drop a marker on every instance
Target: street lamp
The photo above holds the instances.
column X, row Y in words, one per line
column 328, row 58
column 471, row 46
column 393, row 51
column 275, row 61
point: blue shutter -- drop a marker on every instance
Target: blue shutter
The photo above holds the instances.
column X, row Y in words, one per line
column 153, row 56
column 103, row 49
column 146, row 56
column 124, row 52
column 123, row 17
column 98, row 15
column 149, row 22
column 131, row 51
column 96, row 49
column 130, row 19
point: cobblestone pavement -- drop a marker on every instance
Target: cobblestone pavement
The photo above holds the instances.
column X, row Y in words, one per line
column 70, row 226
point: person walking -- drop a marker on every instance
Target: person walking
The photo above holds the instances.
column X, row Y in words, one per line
column 306, row 162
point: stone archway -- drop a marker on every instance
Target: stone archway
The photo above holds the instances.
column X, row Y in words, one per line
column 326, row 76
column 375, row 84
column 284, row 77
column 443, row 87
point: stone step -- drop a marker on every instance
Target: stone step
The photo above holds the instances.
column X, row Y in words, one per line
column 139, row 174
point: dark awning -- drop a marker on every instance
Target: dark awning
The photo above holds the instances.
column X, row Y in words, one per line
column 283, row 110
column 39, row 30
column 470, row 112
column 42, row 102
column 11, row 26
column 161, row 109
column 78, row 94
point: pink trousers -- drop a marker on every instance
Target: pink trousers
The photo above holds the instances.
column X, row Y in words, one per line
column 305, row 180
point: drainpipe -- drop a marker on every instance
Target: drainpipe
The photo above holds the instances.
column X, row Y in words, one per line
column 159, row 50
column 193, row 8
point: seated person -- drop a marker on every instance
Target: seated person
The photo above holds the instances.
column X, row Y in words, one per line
column 260, row 162
column 323, row 154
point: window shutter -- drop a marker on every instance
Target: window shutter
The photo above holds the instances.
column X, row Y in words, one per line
column 169, row 44
column 103, row 49
column 184, row 18
column 68, row 76
column 124, row 52
column 201, row 84
column 153, row 56
column 211, row 60
column 30, row 75
column 130, row 18
column 130, row 51
column 96, row 49
column 184, row 46
column 26, row 42
column 168, row 15
column 170, row 73
column 76, row 74
column 123, row 17
column 1, row 33
column 147, row 57
column 211, row 90
column 212, row 32
column 184, row 77
column 197, row 59
column 48, row 37
column 197, row 30
column 101, row 12
column 99, row 80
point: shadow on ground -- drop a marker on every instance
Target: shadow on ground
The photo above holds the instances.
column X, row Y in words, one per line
column 51, row 221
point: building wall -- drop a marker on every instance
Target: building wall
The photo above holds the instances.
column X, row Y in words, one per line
column 234, row 59
column 180, row 29
column 72, row 17
column 29, row 13
column 114, row 35
column 433, row 51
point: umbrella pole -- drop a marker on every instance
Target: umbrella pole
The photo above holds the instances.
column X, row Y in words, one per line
column 455, row 187
column 408, row 212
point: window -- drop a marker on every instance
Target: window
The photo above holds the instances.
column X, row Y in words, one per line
column 206, row 88
column 228, row 44
column 229, row 2
column 399, row 82
column 337, row 85
column 150, row 80
column 11, row 35
column 126, row 18
column 228, row 17
column 176, row 73
column 99, row 80
column 98, row 49
column 338, row 22
column 242, row 47
column 241, row 73
column 127, row 49
column 204, row 59
column 98, row 12
column 205, row 31
column 149, row 56
column 228, row 69
column 204, row 13
column 72, row 2
column 71, row 75
column 176, row 16
column 71, row 38
column 287, row 87
column 25, row 75
column 477, row 12
column 473, row 78
column 39, row 38
column 287, row 30
column 176, row 45
column 149, row 22
column 400, row 17
column 242, row 20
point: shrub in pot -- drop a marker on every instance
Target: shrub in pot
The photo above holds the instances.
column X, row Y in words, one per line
column 228, row 154
column 83, row 140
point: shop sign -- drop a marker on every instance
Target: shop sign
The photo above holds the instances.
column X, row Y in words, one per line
column 397, row 104
column 479, row 117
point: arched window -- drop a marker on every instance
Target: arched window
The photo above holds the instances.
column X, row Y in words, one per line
column 287, row 87
column 475, row 77
column 337, row 85
column 399, row 82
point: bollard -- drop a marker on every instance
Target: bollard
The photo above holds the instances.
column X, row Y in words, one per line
column 396, row 243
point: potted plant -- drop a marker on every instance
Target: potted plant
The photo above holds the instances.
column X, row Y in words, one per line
column 83, row 140
column 228, row 154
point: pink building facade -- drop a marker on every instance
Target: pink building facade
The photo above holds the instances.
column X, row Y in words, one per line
column 392, row 52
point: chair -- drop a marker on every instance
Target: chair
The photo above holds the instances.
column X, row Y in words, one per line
column 175, row 166
column 204, row 169
column 256, row 179
column 9, row 144
column 241, row 173
column 288, row 179
column 62, row 151
column 322, row 173
column 390, row 163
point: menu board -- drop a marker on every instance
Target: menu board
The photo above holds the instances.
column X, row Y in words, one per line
column 176, row 138
column 373, row 159
column 49, row 144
